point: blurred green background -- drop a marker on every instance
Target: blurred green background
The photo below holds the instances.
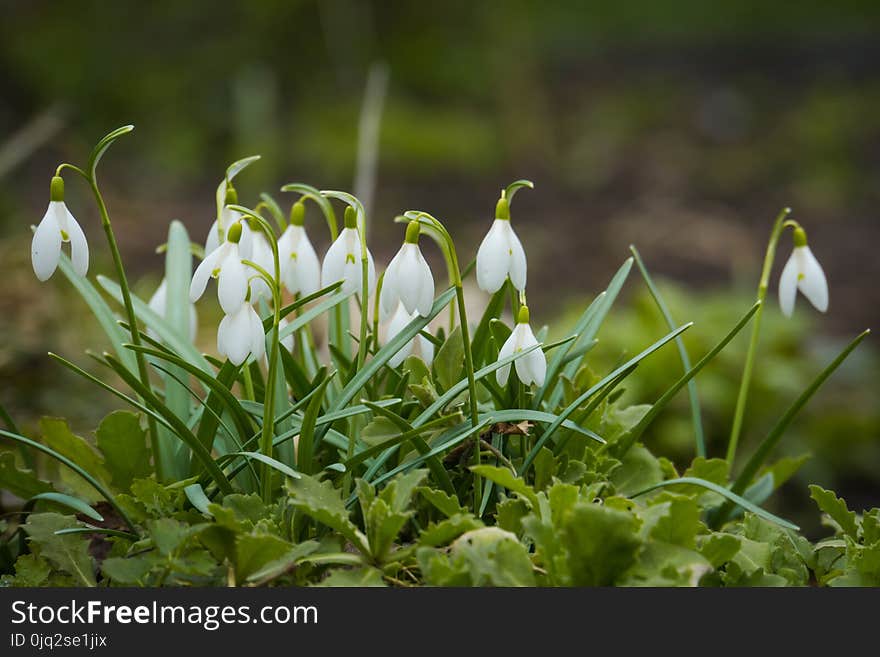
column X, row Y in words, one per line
column 680, row 126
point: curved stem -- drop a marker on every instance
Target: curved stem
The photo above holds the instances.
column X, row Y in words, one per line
column 736, row 429
column 268, row 429
column 455, row 277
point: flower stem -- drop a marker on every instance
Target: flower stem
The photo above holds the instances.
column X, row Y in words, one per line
column 143, row 373
column 739, row 413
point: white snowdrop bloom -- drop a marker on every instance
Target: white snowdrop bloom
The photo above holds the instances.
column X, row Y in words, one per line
column 422, row 347
column 58, row 226
column 261, row 254
column 802, row 272
column 408, row 279
column 531, row 368
column 240, row 335
column 300, row 267
column 159, row 305
column 225, row 264
column 342, row 261
column 229, row 217
column 501, row 254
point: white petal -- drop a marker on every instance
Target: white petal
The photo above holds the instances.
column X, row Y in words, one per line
column 46, row 244
column 308, row 268
column 531, row 368
column 414, row 281
column 246, row 243
column 425, row 301
column 517, row 260
column 788, row 282
column 258, row 336
column 233, row 283
column 371, row 273
column 287, row 342
column 212, row 242
column 234, row 336
column 205, row 271
column 389, row 297
column 493, row 258
column 262, row 255
column 426, row 347
column 812, row 283
column 79, row 247
column 332, row 269
column 399, row 321
column 502, row 374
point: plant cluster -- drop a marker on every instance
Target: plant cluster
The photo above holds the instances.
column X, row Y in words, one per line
column 441, row 451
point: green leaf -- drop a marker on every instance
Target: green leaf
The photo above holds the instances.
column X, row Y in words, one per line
column 378, row 431
column 56, row 435
column 365, row 576
column 281, row 565
column 66, row 500
column 719, row 548
column 254, row 552
column 69, row 553
column 441, row 533
column 20, row 482
column 323, row 502
column 666, row 564
column 682, row 352
column 446, row 504
column 507, row 479
column 130, row 571
column 102, row 146
column 601, row 542
column 449, row 360
column 721, row 490
column 124, row 445
column 168, row 534
column 494, row 558
column 638, row 470
column 231, row 172
column 836, row 509
column 31, row 571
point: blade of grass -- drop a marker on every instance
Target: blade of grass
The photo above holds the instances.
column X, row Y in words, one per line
column 696, row 414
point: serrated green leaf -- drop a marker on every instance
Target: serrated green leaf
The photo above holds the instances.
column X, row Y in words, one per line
column 836, row 509
column 124, row 445
column 21, row 482
column 68, row 553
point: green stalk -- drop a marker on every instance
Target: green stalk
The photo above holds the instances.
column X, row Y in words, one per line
column 274, row 283
column 455, row 277
column 763, row 285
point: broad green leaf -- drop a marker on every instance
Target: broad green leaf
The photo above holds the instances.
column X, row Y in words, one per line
column 69, row 553
column 123, row 443
column 494, row 558
column 449, row 360
column 507, row 479
column 57, row 436
column 323, row 502
column 638, row 470
column 21, row 482
column 364, row 576
column 441, row 533
column 836, row 509
column 601, row 543
column 254, row 552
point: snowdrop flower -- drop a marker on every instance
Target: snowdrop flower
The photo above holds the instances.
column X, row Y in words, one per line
column 240, row 335
column 531, row 368
column 501, row 254
column 56, row 227
column 300, row 268
column 408, row 279
column 802, row 272
column 159, row 305
column 261, row 254
column 227, row 219
column 423, row 346
column 225, row 264
column 343, row 259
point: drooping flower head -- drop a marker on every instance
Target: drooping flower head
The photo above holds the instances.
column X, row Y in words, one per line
column 224, row 263
column 501, row 254
column 422, row 347
column 241, row 334
column 56, row 227
column 408, row 279
column 802, row 272
column 300, row 268
column 342, row 261
column 261, row 254
column 229, row 217
column 531, row 368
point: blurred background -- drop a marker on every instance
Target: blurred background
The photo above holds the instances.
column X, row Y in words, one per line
column 680, row 126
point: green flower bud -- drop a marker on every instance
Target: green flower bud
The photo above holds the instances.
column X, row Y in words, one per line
column 234, row 233
column 412, row 232
column 800, row 237
column 523, row 316
column 350, row 217
column 56, row 189
column 298, row 214
column 231, row 195
column 502, row 209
